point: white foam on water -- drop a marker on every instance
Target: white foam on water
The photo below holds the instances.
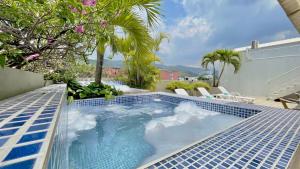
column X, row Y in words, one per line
column 167, row 134
column 157, row 100
column 183, row 113
column 158, row 111
column 79, row 122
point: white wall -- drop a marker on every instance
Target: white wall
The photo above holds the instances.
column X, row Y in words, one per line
column 269, row 71
column 15, row 81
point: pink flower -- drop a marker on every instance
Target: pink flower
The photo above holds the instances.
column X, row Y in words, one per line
column 73, row 9
column 32, row 57
column 50, row 40
column 89, row 2
column 103, row 24
column 83, row 12
column 79, row 29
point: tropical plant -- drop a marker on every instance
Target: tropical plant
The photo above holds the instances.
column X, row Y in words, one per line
column 127, row 20
column 228, row 57
column 211, row 58
column 140, row 68
column 40, row 31
column 93, row 90
column 224, row 57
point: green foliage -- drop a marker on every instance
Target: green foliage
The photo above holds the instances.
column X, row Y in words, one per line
column 225, row 57
column 60, row 77
column 44, row 29
column 195, row 85
column 93, row 90
column 187, row 86
column 179, row 84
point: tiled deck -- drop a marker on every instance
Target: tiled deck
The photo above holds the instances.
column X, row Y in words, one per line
column 26, row 127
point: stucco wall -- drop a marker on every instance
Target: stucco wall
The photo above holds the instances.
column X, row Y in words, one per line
column 266, row 71
column 14, row 82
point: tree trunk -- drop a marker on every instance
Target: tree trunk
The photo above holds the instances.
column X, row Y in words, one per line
column 221, row 74
column 99, row 64
column 214, row 75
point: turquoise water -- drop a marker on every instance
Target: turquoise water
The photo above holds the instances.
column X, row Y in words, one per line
column 127, row 136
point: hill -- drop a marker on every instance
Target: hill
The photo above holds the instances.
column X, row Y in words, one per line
column 185, row 70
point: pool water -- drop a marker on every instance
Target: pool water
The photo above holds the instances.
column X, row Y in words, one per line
column 128, row 136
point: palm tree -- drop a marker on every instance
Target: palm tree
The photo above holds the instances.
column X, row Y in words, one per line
column 211, row 58
column 225, row 57
column 131, row 24
column 228, row 57
column 140, row 69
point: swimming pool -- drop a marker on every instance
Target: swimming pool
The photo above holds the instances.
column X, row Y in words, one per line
column 129, row 135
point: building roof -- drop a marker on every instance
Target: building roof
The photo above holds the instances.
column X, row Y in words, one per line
column 275, row 43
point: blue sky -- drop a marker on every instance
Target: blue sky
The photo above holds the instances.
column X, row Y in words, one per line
column 197, row 27
column 200, row 26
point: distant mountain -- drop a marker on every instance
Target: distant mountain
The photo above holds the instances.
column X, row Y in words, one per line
column 184, row 70
column 109, row 63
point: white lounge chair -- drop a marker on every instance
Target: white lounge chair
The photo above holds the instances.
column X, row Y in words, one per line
column 181, row 92
column 226, row 94
column 207, row 95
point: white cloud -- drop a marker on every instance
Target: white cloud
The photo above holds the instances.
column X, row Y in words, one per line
column 190, row 27
column 282, row 35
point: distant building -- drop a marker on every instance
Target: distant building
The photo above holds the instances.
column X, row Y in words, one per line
column 169, row 75
column 190, row 79
column 111, row 72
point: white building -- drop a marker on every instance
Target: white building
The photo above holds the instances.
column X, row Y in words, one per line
column 270, row 70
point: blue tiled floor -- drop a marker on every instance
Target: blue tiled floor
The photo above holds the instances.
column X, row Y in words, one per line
column 23, row 151
column 33, row 137
column 21, row 111
column 7, row 132
column 28, row 164
column 38, row 127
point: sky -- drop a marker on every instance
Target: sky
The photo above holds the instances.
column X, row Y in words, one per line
column 197, row 27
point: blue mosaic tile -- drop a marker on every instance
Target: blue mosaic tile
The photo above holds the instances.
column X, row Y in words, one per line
column 7, row 132
column 16, row 124
column 20, row 119
column 32, row 137
column 28, row 164
column 46, row 116
column 25, row 114
column 23, row 151
column 42, row 121
column 3, row 141
column 38, row 127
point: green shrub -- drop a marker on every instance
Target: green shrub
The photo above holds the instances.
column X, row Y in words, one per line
column 201, row 84
column 93, row 90
column 58, row 77
column 178, row 84
column 187, row 86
